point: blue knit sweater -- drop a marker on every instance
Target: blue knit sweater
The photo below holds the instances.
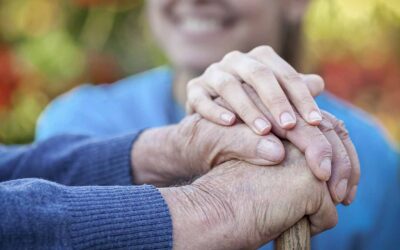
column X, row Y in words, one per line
column 88, row 205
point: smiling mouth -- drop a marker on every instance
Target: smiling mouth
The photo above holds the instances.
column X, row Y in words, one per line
column 204, row 25
column 199, row 25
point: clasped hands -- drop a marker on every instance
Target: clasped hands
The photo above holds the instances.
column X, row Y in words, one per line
column 242, row 186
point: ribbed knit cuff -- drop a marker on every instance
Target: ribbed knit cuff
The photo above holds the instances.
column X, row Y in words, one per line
column 118, row 217
column 108, row 161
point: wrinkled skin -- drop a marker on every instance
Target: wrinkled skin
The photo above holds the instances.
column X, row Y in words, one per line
column 238, row 205
column 192, row 147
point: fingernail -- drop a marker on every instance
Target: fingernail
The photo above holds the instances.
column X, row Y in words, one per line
column 341, row 189
column 228, row 118
column 261, row 125
column 326, row 166
column 352, row 194
column 287, row 119
column 314, row 116
column 269, row 150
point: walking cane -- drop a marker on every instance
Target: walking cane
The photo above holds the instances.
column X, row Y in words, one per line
column 296, row 237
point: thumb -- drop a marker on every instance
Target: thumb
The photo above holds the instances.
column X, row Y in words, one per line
column 243, row 144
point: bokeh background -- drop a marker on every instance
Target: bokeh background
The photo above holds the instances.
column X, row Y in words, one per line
column 49, row 46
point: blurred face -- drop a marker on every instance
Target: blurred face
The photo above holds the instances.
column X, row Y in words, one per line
column 196, row 33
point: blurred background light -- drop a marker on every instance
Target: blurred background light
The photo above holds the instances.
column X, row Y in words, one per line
column 49, row 46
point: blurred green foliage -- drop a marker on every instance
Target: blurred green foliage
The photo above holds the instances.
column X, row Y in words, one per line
column 49, row 46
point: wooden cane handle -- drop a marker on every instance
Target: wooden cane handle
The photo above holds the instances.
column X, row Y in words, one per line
column 296, row 237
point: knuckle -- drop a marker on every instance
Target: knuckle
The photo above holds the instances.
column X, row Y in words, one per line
column 232, row 56
column 325, row 150
column 328, row 115
column 263, row 50
column 258, row 71
column 193, row 85
column 335, row 122
column 331, row 118
column 212, row 68
column 325, row 126
column 341, row 130
column 224, row 83
column 195, row 100
column 338, row 126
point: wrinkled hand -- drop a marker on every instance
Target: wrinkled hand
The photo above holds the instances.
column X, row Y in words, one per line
column 328, row 149
column 241, row 206
column 169, row 155
column 276, row 82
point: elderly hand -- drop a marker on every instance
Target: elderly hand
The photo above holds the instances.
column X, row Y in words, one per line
column 276, row 82
column 168, row 155
column 241, row 206
column 328, row 149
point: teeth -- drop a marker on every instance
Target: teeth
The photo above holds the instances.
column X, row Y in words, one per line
column 200, row 25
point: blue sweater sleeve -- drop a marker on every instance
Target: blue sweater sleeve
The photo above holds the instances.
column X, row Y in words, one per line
column 71, row 160
column 37, row 214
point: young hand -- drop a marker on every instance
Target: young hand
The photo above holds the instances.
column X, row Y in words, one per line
column 276, row 82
